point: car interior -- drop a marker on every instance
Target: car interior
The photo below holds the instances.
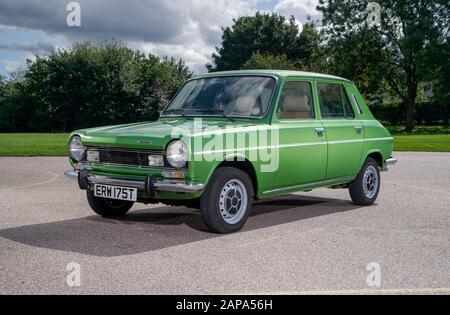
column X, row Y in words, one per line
column 296, row 101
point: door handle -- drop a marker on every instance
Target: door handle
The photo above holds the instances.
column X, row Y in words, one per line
column 359, row 129
column 320, row 131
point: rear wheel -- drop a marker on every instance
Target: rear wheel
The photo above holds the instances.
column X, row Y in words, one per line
column 226, row 203
column 366, row 186
column 108, row 207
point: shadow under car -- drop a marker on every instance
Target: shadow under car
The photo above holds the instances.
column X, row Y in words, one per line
column 162, row 227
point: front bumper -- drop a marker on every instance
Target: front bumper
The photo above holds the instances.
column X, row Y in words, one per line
column 150, row 185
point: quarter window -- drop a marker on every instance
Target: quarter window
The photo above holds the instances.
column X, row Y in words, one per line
column 296, row 101
column 357, row 104
column 334, row 102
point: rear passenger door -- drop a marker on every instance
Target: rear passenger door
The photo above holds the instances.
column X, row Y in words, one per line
column 344, row 133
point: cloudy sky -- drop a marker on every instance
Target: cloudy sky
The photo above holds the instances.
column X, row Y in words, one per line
column 188, row 29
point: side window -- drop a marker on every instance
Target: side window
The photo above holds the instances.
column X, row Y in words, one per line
column 334, row 102
column 296, row 101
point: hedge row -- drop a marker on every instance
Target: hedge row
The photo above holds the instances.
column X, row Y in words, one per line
column 425, row 112
column 88, row 86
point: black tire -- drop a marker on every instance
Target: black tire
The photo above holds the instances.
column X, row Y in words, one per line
column 362, row 191
column 213, row 214
column 108, row 207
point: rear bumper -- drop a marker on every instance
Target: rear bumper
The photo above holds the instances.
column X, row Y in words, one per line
column 150, row 185
column 389, row 162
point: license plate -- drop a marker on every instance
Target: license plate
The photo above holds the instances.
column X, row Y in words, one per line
column 115, row 192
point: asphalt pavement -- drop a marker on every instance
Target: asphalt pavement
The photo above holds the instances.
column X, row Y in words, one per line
column 306, row 243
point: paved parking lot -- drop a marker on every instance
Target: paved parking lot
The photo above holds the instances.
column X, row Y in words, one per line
column 315, row 242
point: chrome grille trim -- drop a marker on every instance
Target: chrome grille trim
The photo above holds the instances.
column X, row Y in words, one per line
column 124, row 157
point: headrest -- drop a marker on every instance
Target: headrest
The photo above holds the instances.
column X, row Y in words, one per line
column 244, row 104
column 293, row 103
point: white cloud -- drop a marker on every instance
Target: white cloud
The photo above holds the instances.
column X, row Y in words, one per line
column 196, row 43
column 17, row 65
column 300, row 9
column 188, row 29
column 13, row 66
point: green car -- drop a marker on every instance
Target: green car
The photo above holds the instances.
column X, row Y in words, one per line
column 229, row 138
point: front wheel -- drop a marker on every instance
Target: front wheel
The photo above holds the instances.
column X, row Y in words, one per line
column 365, row 188
column 108, row 207
column 226, row 203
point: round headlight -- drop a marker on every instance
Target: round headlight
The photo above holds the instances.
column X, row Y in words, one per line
column 177, row 154
column 76, row 148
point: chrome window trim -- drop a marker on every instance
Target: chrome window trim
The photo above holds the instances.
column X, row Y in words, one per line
column 355, row 100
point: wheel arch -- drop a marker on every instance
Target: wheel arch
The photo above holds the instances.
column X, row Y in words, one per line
column 376, row 155
column 244, row 165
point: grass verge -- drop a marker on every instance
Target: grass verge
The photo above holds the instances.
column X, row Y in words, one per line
column 33, row 144
column 423, row 139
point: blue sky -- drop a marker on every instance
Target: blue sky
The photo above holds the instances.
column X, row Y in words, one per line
column 188, row 29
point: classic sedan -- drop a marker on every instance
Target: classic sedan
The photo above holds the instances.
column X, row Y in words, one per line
column 229, row 138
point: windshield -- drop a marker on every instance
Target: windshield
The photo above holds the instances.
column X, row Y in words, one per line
column 238, row 96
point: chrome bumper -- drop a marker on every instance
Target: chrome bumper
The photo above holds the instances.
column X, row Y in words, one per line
column 389, row 162
column 165, row 185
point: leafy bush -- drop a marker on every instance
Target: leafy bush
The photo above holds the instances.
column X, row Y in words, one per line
column 267, row 61
column 89, row 86
column 426, row 112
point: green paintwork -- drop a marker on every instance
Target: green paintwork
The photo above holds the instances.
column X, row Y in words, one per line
column 306, row 160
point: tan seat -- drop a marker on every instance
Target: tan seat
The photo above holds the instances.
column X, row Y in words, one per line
column 244, row 105
column 295, row 107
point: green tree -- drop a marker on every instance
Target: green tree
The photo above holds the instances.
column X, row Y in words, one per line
column 3, row 99
column 2, row 88
column 358, row 56
column 439, row 61
column 310, row 44
column 266, row 34
column 267, row 61
column 408, row 31
column 14, row 105
column 93, row 85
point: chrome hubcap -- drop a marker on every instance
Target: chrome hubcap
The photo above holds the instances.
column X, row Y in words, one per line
column 370, row 182
column 233, row 201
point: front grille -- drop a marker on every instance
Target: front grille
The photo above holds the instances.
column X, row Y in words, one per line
column 124, row 157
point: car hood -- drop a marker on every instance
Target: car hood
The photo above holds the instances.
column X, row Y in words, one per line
column 153, row 135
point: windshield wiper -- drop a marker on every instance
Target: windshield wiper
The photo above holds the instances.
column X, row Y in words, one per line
column 218, row 111
column 179, row 112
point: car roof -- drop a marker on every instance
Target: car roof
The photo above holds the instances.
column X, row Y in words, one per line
column 278, row 73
